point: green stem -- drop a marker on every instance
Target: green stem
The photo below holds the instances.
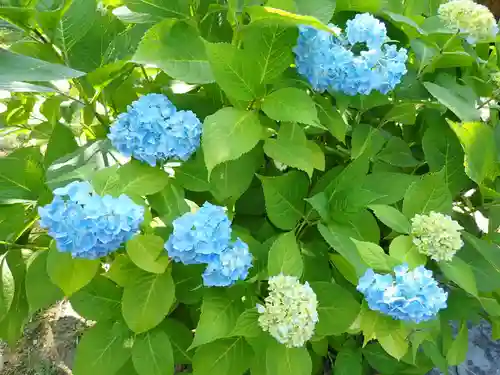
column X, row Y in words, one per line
column 25, row 246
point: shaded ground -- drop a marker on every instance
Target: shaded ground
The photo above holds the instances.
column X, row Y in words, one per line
column 47, row 347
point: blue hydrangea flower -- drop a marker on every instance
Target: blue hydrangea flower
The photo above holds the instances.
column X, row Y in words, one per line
column 329, row 62
column 88, row 225
column 411, row 295
column 152, row 130
column 204, row 237
column 199, row 237
column 231, row 265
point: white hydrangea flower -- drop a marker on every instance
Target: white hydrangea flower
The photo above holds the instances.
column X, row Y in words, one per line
column 466, row 16
column 436, row 235
column 289, row 314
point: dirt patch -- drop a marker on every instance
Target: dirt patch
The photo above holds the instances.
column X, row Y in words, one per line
column 48, row 343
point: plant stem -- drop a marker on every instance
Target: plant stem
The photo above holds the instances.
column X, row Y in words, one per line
column 25, row 246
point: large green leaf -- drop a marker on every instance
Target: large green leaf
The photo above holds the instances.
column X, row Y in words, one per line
column 161, row 8
column 284, row 198
column 460, row 273
column 374, row 256
column 231, row 179
column 247, row 324
column 152, row 354
column 228, row 134
column 136, row 178
column 7, row 287
column 293, row 149
column 219, row 313
column 21, row 176
column 281, row 360
column 180, row 339
column 478, row 142
column 147, row 252
column 225, row 357
column 11, row 221
column 68, row 273
column 62, row 142
column 383, row 192
column 466, row 111
column 321, row 9
column 178, row 50
column 330, row 118
column 14, row 67
column 349, row 362
column 398, row 153
column 285, row 256
column 430, row 193
column 40, row 290
column 337, row 308
column 147, row 300
column 290, row 104
column 391, row 217
column 271, row 45
column 459, row 347
column 442, row 151
column 103, row 349
column 234, row 71
column 99, row 300
column 403, row 249
column 169, row 202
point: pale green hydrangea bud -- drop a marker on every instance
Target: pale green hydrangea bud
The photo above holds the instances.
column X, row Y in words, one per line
column 289, row 314
column 436, row 235
column 467, row 17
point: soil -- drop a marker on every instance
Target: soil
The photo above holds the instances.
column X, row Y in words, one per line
column 48, row 344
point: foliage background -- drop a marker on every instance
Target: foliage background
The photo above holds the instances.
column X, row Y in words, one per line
column 330, row 195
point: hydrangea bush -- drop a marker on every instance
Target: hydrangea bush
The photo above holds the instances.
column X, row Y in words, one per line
column 256, row 187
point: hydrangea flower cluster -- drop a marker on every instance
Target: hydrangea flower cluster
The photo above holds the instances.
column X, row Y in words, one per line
column 153, row 130
column 410, row 295
column 205, row 237
column 88, row 225
column 330, row 61
column 436, row 235
column 290, row 311
column 473, row 20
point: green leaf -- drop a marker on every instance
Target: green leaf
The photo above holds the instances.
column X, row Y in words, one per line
column 177, row 49
column 152, row 354
column 281, row 360
column 460, row 273
column 70, row 274
column 76, row 21
column 147, row 252
column 359, row 5
column 247, row 324
column 345, row 247
column 7, row 287
column 395, row 343
column 99, row 300
column 103, row 349
column 366, row 140
column 14, row 67
column 284, row 197
column 160, row 8
column 459, row 347
column 232, row 178
column 398, row 153
column 21, row 175
column 285, row 18
column 169, row 203
column 237, row 130
column 348, row 362
column 11, row 221
column 285, row 256
column 188, row 282
column 430, row 193
column 432, row 351
column 391, row 217
column 293, row 149
column 360, row 225
column 219, row 313
column 374, row 324
column 271, row 47
column 442, row 151
column 234, row 71
column 337, row 309
column 478, row 142
column 488, row 250
column 122, row 271
column 180, row 339
column 147, row 300
column 466, row 111
column 290, row 104
column 384, row 193
column 374, row 256
column 192, row 174
column 403, row 249
column 40, row 291
column 62, row 141
column 225, row 357
column 321, row 9
column 136, row 178
column 330, row 118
